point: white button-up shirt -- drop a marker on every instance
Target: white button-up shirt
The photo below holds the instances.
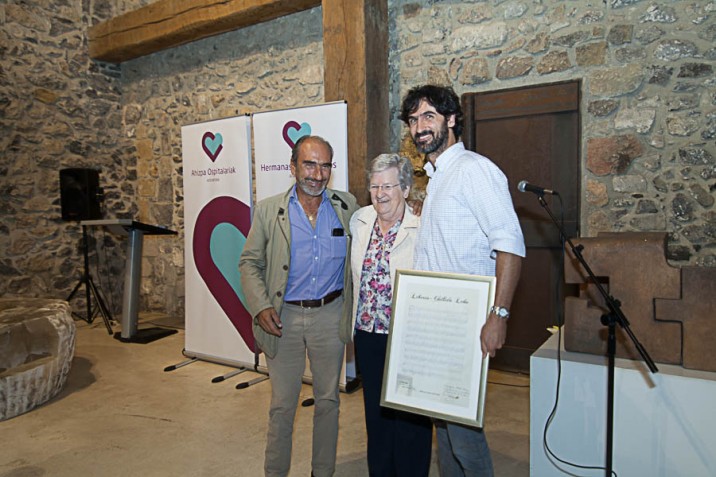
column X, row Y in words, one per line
column 467, row 216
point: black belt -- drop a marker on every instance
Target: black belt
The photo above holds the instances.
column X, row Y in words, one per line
column 316, row 303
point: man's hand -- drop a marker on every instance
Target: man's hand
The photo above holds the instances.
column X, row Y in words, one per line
column 269, row 321
column 416, row 206
column 493, row 335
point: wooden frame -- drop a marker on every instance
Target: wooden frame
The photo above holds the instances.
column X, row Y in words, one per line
column 434, row 364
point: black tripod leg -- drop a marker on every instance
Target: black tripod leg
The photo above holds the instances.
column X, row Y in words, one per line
column 86, row 277
column 82, row 281
column 74, row 290
column 90, row 288
column 103, row 310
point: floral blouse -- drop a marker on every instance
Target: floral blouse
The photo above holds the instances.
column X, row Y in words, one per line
column 376, row 290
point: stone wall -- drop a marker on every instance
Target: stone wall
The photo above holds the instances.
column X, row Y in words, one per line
column 648, row 115
column 278, row 64
column 58, row 109
column 648, row 98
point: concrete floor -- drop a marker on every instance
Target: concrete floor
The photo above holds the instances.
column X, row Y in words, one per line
column 120, row 414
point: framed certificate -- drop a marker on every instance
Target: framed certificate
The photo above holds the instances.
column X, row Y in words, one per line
column 434, row 363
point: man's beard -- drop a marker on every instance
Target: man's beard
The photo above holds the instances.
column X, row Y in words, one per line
column 308, row 188
column 437, row 144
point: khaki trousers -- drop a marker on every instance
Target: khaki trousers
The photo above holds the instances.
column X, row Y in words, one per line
column 312, row 331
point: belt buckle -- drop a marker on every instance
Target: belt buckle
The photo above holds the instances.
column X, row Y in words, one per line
column 308, row 305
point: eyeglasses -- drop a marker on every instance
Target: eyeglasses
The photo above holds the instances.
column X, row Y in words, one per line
column 384, row 187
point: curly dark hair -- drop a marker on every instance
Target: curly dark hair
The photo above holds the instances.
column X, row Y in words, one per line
column 442, row 98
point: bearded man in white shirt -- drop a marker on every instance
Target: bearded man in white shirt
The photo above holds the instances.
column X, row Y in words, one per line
column 468, row 225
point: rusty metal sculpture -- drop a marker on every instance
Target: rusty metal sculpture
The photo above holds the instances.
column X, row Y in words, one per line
column 672, row 310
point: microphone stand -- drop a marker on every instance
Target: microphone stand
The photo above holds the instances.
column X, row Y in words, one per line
column 610, row 320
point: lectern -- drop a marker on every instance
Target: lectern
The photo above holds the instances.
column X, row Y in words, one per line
column 132, row 275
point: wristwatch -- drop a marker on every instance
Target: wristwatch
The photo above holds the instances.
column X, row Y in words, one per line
column 503, row 313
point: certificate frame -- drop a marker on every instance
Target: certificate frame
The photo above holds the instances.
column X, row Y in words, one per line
column 434, row 364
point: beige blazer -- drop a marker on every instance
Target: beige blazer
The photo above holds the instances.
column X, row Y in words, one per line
column 266, row 259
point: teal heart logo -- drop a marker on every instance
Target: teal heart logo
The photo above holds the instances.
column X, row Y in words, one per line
column 292, row 132
column 219, row 237
column 212, row 144
column 226, row 245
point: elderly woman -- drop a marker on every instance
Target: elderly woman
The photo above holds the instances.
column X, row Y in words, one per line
column 384, row 236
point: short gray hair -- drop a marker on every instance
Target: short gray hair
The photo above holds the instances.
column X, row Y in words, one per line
column 386, row 161
column 296, row 149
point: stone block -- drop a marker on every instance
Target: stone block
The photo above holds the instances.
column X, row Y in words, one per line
column 37, row 343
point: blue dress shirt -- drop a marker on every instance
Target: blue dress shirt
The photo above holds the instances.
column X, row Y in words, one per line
column 317, row 255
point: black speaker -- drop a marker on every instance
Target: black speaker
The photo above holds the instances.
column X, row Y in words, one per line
column 80, row 194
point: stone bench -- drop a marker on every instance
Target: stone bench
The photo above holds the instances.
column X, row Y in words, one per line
column 37, row 343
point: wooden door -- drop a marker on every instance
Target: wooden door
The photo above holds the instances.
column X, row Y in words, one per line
column 532, row 134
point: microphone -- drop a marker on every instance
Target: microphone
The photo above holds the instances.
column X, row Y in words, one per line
column 525, row 186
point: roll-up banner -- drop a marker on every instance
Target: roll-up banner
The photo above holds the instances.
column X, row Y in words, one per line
column 275, row 133
column 217, row 218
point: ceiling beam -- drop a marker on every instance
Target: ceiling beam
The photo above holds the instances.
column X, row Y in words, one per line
column 355, row 51
column 169, row 23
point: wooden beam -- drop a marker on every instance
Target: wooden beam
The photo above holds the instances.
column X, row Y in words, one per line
column 355, row 50
column 169, row 23
column 355, row 58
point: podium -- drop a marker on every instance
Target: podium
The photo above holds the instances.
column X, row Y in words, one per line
column 132, row 276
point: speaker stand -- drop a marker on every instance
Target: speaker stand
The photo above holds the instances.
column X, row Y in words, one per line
column 91, row 289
